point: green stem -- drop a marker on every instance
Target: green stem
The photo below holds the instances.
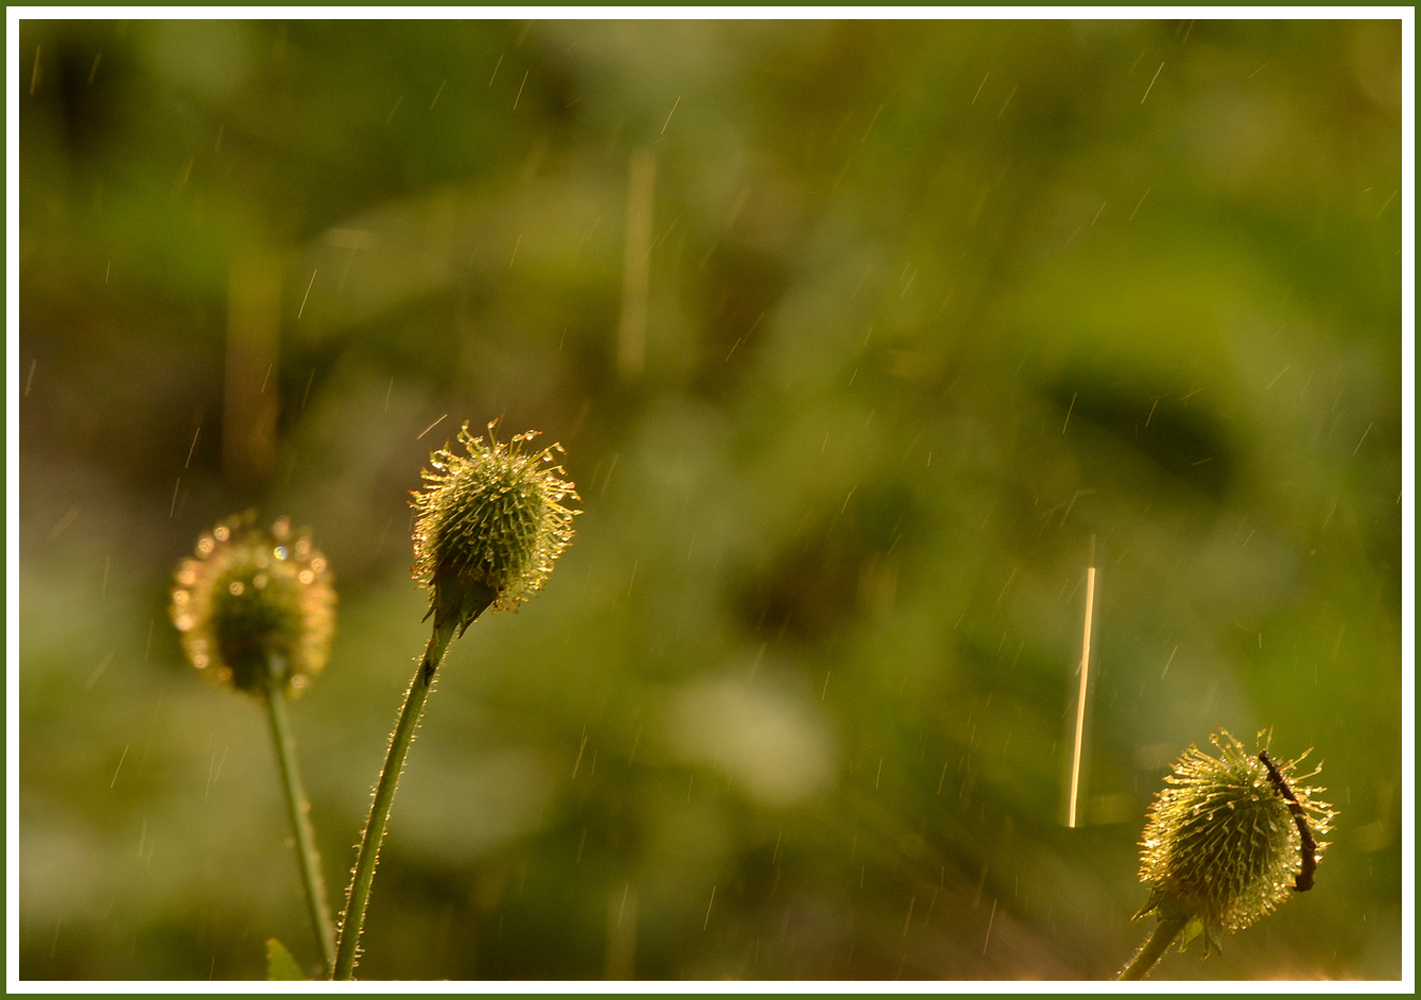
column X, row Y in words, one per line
column 1153, row 950
column 358, row 895
column 299, row 809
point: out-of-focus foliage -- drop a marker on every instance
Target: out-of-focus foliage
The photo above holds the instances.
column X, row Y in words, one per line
column 855, row 334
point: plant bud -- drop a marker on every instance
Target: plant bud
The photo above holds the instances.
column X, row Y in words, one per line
column 1223, row 844
column 254, row 602
column 490, row 525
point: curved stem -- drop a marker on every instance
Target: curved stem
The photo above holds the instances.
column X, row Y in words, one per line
column 299, row 809
column 358, row 895
column 1153, row 950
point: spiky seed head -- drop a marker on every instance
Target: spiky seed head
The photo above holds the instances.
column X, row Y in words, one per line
column 1221, row 845
column 254, row 602
column 490, row 525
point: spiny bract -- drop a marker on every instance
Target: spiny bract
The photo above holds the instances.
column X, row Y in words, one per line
column 1221, row 845
column 490, row 525
column 254, row 602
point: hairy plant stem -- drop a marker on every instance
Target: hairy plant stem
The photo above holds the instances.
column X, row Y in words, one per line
column 1153, row 949
column 299, row 808
column 358, row 895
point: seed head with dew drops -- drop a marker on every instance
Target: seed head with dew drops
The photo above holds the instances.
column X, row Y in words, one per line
column 490, row 525
column 1222, row 846
column 253, row 601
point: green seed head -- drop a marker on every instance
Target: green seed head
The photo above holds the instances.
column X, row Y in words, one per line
column 254, row 602
column 490, row 525
column 1222, row 845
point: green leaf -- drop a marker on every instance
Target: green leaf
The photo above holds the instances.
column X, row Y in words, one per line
column 1193, row 929
column 279, row 963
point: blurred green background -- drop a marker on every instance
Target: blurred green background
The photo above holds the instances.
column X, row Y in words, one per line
column 855, row 333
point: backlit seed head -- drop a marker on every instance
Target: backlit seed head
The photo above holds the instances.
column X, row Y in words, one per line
column 254, row 602
column 1221, row 845
column 490, row 525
